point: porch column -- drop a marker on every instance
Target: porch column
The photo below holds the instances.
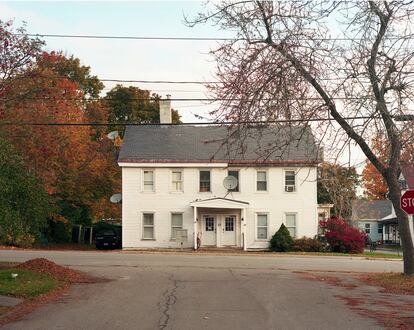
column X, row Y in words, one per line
column 244, row 225
column 195, row 227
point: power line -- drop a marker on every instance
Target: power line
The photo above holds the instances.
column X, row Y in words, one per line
column 214, row 123
column 344, row 98
column 94, row 36
column 161, row 81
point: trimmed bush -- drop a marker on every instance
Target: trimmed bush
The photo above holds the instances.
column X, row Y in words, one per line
column 281, row 240
column 305, row 244
column 342, row 237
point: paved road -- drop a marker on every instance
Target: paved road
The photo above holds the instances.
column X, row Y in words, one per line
column 172, row 291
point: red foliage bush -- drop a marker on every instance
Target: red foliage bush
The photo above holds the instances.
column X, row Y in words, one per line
column 342, row 237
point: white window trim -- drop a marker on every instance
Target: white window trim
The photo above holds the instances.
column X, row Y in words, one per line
column 153, row 226
column 171, row 226
column 238, row 180
column 267, row 182
column 199, row 181
column 171, row 181
column 143, row 180
column 296, row 222
column 255, row 227
column 284, row 181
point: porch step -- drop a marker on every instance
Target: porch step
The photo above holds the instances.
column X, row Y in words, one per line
column 219, row 249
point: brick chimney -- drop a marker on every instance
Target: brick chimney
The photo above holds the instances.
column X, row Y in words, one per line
column 165, row 110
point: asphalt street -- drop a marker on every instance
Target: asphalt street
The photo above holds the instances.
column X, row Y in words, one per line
column 195, row 291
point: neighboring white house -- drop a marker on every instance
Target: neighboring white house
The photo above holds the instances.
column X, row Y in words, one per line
column 172, row 179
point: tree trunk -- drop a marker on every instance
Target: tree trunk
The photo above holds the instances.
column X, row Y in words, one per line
column 403, row 222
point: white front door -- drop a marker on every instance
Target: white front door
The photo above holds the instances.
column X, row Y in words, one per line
column 209, row 230
column 229, row 230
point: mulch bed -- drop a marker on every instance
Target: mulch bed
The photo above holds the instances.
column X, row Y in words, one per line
column 61, row 273
column 65, row 275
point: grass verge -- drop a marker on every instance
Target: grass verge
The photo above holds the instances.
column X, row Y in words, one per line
column 396, row 283
column 27, row 284
column 365, row 254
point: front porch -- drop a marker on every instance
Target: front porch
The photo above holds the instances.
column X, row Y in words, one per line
column 219, row 223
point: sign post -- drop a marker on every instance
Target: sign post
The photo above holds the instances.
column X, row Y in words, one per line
column 407, row 202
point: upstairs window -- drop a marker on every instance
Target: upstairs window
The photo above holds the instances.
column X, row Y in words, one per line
column 205, row 182
column 290, row 181
column 235, row 174
column 261, row 183
column 177, row 180
column 148, row 180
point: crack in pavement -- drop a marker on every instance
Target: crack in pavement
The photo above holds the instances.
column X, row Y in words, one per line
column 170, row 300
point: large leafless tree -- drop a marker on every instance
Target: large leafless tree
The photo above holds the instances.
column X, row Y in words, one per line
column 349, row 65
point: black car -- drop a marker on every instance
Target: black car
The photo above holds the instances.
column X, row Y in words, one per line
column 108, row 238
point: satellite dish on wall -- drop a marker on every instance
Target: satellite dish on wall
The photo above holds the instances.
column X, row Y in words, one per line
column 116, row 198
column 113, row 135
column 230, row 182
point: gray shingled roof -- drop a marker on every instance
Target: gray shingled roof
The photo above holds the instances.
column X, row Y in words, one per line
column 370, row 210
column 271, row 144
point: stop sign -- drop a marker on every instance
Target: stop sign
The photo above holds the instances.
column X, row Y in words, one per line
column 407, row 202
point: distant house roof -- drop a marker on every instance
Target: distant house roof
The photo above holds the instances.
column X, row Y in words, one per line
column 371, row 210
column 408, row 173
column 204, row 144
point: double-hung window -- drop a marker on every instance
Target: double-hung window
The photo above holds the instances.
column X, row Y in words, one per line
column 380, row 228
column 291, row 223
column 290, row 181
column 205, row 181
column 367, row 228
column 148, row 226
column 177, row 180
column 148, row 180
column 176, row 223
column 262, row 222
column 234, row 174
column 261, row 182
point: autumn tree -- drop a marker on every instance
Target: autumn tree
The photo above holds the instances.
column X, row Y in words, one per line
column 71, row 68
column 285, row 63
column 132, row 104
column 338, row 185
column 24, row 204
column 373, row 182
column 17, row 53
column 78, row 169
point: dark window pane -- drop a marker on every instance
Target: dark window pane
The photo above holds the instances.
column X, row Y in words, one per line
column 236, row 175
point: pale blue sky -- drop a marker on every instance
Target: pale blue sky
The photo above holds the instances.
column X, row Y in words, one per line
column 128, row 59
column 131, row 59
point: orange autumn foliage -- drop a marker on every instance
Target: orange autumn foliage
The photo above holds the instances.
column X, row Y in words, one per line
column 373, row 182
column 75, row 163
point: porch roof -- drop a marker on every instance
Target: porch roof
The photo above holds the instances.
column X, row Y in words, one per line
column 219, row 203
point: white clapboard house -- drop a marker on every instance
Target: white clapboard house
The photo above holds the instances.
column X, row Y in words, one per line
column 179, row 180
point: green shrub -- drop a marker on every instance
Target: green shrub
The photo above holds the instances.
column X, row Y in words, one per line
column 281, row 240
column 305, row 244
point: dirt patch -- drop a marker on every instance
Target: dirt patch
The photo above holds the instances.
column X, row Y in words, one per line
column 7, row 265
column 66, row 277
column 328, row 279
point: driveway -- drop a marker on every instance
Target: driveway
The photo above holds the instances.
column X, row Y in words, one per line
column 182, row 291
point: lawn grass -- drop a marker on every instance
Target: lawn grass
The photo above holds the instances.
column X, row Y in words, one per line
column 365, row 254
column 26, row 285
column 396, row 283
